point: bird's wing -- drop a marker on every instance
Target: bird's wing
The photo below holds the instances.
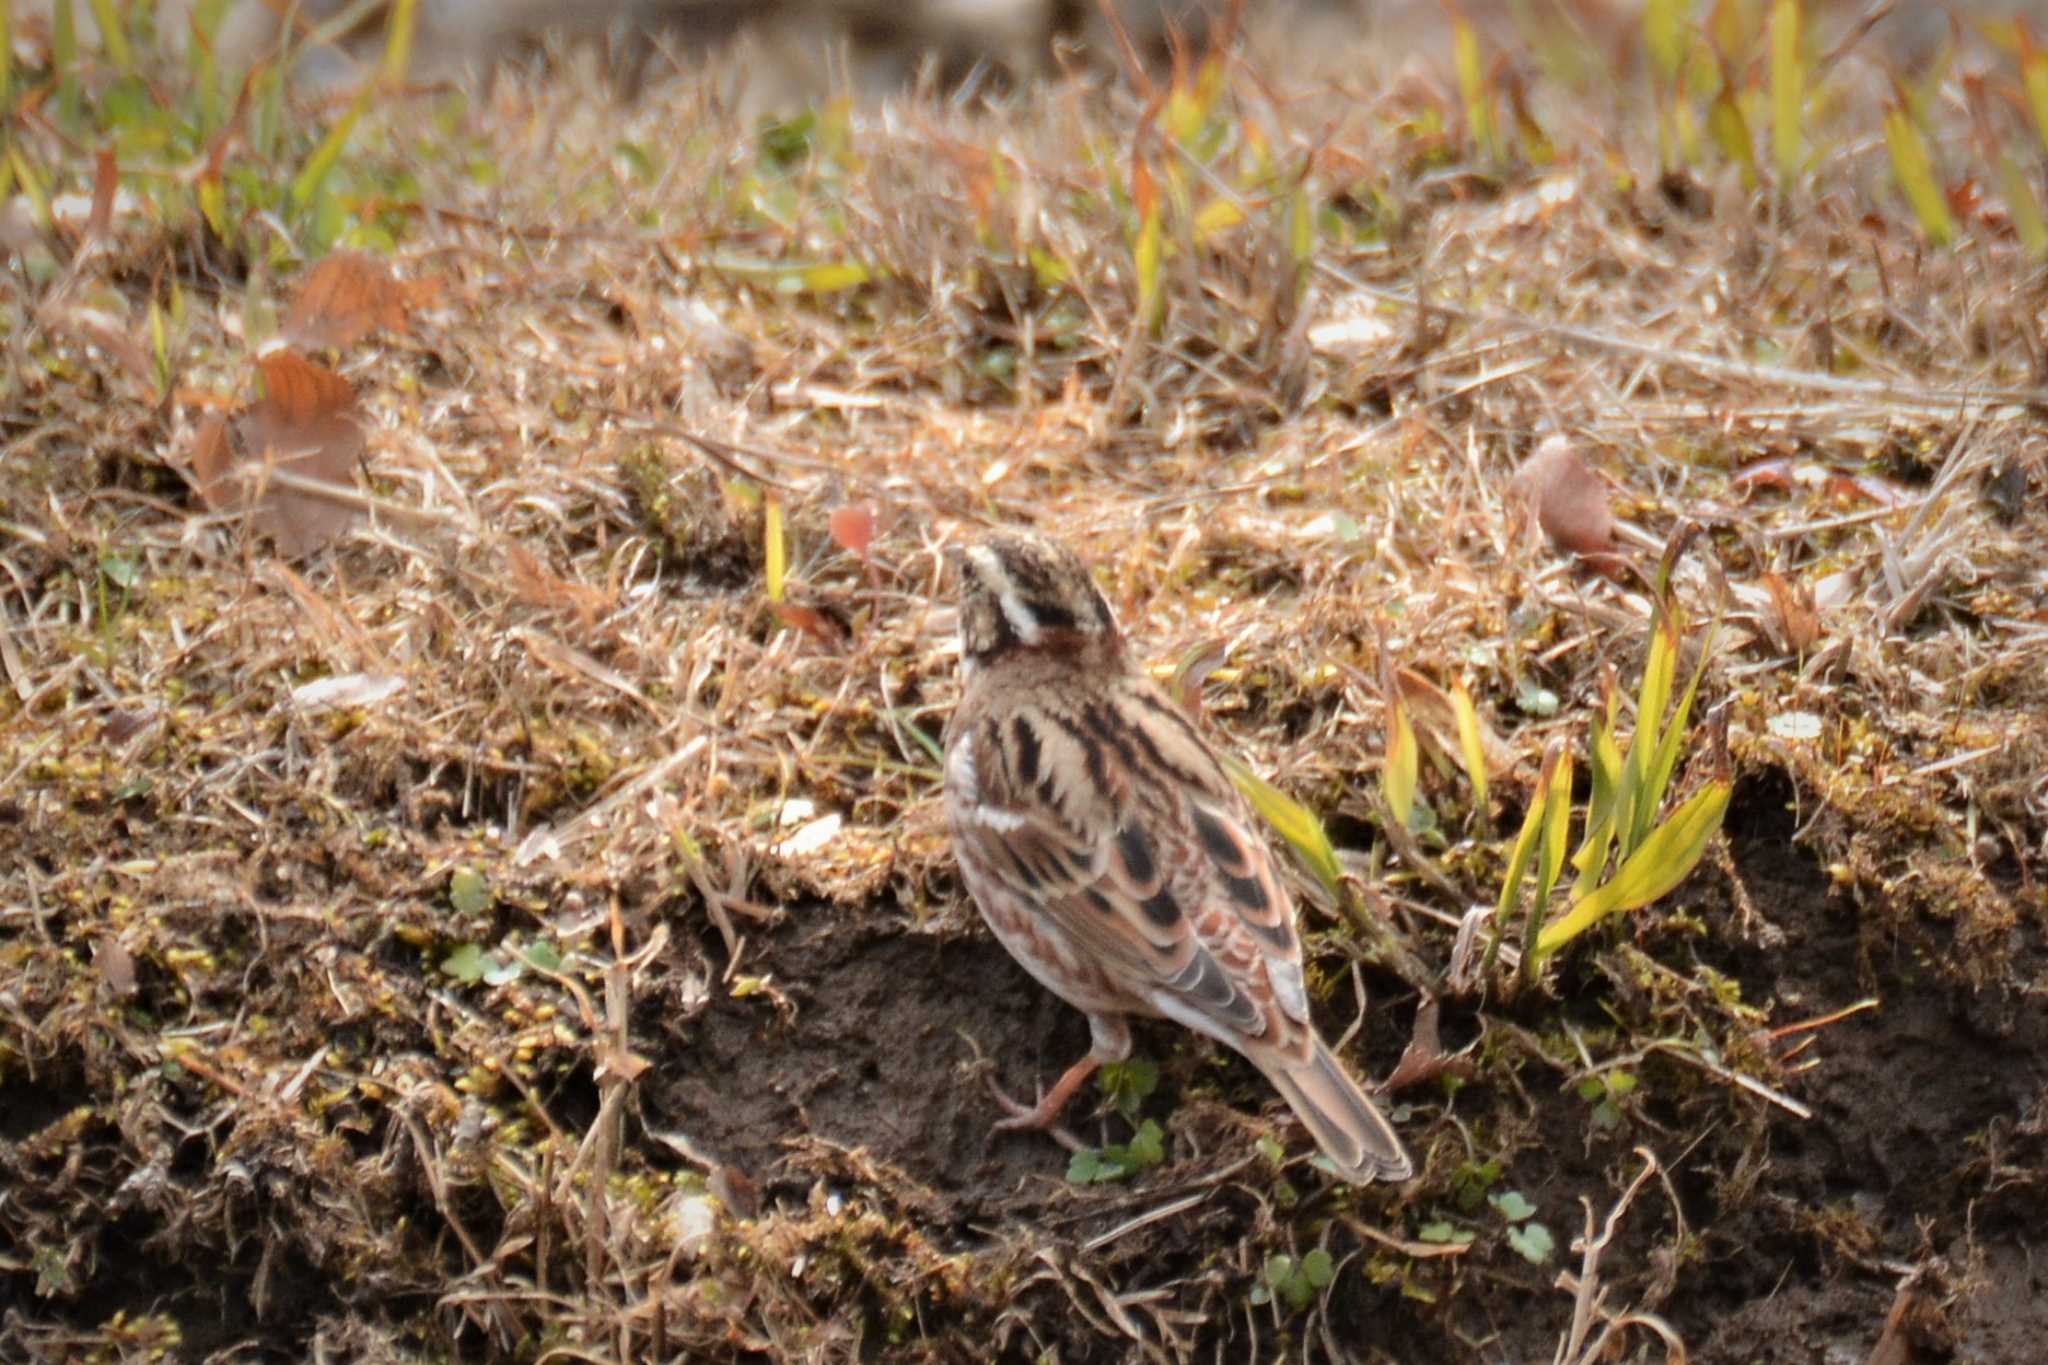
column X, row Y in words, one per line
column 1115, row 822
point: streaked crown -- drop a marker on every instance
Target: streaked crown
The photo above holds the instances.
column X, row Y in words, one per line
column 1021, row 590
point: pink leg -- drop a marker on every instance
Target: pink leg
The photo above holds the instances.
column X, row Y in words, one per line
column 1112, row 1044
column 1046, row 1115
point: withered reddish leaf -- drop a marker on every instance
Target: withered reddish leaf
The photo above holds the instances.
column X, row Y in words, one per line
column 1868, row 488
column 347, row 296
column 106, row 179
column 210, row 460
column 1424, row 1059
column 303, row 431
column 1793, row 618
column 111, row 332
column 116, row 964
column 853, row 527
column 1435, row 718
column 537, row 585
column 1966, row 198
column 1569, row 499
column 1775, row 472
column 308, row 413
column 735, row 1189
column 819, row 625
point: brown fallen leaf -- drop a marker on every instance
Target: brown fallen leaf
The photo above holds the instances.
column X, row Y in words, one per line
column 1851, row 487
column 734, row 1188
column 288, row 462
column 96, row 323
column 116, row 964
column 823, row 623
column 1773, row 471
column 1435, row 718
column 538, row 586
column 346, row 296
column 1917, row 1327
column 1570, row 502
column 1793, row 619
column 106, row 179
column 1424, row 1059
column 853, row 526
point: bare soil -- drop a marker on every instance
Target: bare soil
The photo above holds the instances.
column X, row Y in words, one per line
column 850, row 1098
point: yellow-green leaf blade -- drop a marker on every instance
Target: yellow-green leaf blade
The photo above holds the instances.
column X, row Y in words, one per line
column 1788, row 93
column 1294, row 822
column 1471, row 66
column 1398, row 772
column 775, row 551
column 399, row 29
column 1471, row 746
column 2034, row 79
column 321, row 162
column 1665, row 858
column 1914, row 170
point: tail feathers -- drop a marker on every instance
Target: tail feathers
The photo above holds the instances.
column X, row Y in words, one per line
column 1345, row 1123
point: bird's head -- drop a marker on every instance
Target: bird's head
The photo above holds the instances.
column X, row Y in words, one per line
column 1020, row 591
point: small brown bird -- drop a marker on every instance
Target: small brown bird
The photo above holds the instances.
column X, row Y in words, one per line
column 1112, row 855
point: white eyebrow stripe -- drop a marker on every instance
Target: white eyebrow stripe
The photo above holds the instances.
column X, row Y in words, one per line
column 1021, row 618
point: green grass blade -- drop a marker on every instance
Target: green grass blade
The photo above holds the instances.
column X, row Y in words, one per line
column 1788, row 93
column 64, row 56
column 398, row 42
column 2025, row 208
column 1472, row 85
column 1557, row 815
column 1591, row 858
column 1914, row 170
column 31, row 187
column 1556, row 786
column 775, row 551
column 1294, row 822
column 1471, row 747
column 1519, row 857
column 1398, row 772
column 2034, row 79
column 1148, row 247
column 1666, row 856
column 831, row 277
column 1524, row 850
column 113, row 35
column 1604, row 768
column 1637, row 799
column 1665, row 33
column 1730, row 131
column 314, row 174
column 1665, row 761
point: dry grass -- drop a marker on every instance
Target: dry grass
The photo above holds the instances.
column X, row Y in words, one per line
column 262, row 998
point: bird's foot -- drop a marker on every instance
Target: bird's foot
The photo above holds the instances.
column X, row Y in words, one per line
column 1044, row 1116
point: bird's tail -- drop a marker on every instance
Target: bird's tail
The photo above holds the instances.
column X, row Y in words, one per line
column 1345, row 1123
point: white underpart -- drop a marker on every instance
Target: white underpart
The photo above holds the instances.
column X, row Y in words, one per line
column 961, row 781
column 1014, row 611
column 999, row 818
column 1171, row 1006
column 1288, row 991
